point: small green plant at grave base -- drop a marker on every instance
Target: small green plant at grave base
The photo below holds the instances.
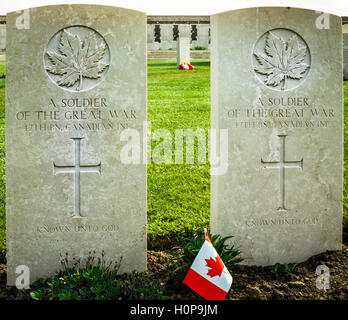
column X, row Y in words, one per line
column 95, row 280
column 279, row 269
column 191, row 246
column 199, row 48
column 290, row 267
column 138, row 286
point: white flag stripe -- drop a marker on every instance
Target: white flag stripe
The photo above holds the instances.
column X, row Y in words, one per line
column 207, row 251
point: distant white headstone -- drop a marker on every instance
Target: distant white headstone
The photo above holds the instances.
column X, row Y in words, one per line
column 345, row 55
column 166, row 36
column 2, row 37
column 277, row 88
column 182, row 51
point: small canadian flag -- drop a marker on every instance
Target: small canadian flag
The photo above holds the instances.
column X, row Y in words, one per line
column 208, row 275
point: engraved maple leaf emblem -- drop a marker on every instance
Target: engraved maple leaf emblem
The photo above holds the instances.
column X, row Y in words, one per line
column 216, row 266
column 281, row 60
column 77, row 59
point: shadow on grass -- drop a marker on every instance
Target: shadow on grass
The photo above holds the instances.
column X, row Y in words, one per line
column 162, row 64
column 203, row 63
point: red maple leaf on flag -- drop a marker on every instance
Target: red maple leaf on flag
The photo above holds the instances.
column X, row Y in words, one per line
column 216, row 266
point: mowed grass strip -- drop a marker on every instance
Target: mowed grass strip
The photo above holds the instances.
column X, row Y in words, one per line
column 178, row 194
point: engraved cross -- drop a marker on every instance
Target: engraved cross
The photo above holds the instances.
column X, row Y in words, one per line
column 282, row 164
column 77, row 169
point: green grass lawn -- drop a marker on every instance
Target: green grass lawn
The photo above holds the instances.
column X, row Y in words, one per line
column 178, row 195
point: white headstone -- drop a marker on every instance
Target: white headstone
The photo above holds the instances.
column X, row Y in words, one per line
column 203, row 36
column 74, row 81
column 277, row 88
column 150, row 35
column 2, row 37
column 184, row 30
column 182, row 51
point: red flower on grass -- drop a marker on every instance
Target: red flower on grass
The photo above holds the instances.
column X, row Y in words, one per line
column 186, row 66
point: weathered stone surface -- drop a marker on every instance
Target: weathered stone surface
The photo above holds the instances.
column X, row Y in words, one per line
column 67, row 189
column 182, row 51
column 282, row 194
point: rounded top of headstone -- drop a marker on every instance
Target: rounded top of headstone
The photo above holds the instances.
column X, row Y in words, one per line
column 329, row 10
column 75, row 6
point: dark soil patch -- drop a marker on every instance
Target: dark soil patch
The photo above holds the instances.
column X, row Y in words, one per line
column 249, row 283
column 260, row 283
